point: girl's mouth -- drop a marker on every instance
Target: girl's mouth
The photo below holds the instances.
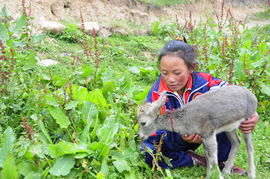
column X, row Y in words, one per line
column 173, row 87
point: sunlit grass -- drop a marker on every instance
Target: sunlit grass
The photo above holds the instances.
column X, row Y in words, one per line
column 264, row 15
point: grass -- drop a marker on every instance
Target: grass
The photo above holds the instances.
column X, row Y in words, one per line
column 121, row 51
column 265, row 15
column 127, row 25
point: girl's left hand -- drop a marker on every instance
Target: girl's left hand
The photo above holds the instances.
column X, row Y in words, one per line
column 248, row 125
column 194, row 138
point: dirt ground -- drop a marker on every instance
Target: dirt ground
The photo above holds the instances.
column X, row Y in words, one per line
column 107, row 11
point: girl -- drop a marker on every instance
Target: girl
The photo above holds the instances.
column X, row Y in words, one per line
column 182, row 85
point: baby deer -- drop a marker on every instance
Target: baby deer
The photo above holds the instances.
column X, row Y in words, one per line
column 220, row 110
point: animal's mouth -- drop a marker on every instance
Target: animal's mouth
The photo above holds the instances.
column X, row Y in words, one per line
column 142, row 136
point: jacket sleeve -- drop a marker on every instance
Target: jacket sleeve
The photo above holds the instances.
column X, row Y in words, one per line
column 213, row 83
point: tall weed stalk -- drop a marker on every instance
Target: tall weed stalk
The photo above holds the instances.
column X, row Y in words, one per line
column 91, row 47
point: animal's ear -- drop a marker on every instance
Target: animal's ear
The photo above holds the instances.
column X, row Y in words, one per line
column 160, row 102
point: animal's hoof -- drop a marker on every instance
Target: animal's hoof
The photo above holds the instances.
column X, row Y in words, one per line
column 226, row 171
column 233, row 170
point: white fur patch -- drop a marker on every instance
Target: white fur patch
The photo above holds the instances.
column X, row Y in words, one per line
column 229, row 127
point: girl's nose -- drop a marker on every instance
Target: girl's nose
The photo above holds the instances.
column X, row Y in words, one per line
column 171, row 79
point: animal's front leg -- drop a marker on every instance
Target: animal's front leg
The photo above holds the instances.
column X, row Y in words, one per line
column 210, row 147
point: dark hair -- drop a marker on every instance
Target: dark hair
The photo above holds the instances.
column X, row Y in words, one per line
column 180, row 49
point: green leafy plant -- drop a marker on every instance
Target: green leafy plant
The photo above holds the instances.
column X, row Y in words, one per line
column 77, row 119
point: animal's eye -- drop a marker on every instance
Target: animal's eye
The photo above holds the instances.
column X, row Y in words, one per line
column 143, row 123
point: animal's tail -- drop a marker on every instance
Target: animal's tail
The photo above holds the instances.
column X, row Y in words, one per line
column 252, row 103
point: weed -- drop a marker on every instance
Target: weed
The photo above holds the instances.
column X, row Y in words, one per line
column 7, row 66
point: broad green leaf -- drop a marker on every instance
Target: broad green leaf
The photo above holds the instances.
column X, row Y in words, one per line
column 33, row 175
column 121, row 165
column 265, row 89
column 37, row 149
column 7, row 145
column 60, row 117
column 44, row 131
column 97, row 98
column 29, row 61
column 25, row 168
column 3, row 32
column 87, row 70
column 141, row 96
column 104, row 167
column 4, row 12
column 95, row 125
column 62, row 166
column 108, row 87
column 37, row 38
column 248, row 44
column 100, row 175
column 238, row 70
column 89, row 111
column 85, row 134
column 134, row 70
column 59, row 81
column 63, row 148
column 259, row 63
column 263, row 48
column 90, row 117
column 50, row 100
column 71, row 105
column 80, row 155
column 20, row 24
column 108, row 130
column 147, row 70
column 9, row 170
column 78, row 93
column 102, row 150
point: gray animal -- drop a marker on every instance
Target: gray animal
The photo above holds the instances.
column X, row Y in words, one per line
column 216, row 111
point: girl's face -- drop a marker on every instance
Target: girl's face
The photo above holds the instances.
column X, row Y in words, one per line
column 175, row 72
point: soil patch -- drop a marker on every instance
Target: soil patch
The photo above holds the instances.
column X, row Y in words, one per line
column 107, row 12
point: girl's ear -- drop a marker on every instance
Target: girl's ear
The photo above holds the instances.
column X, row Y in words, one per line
column 194, row 65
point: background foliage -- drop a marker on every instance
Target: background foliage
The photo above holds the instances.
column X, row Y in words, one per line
column 77, row 119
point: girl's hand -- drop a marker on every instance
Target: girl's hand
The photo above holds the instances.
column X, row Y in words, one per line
column 194, row 138
column 248, row 125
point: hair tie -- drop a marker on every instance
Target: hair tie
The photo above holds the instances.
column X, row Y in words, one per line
column 181, row 38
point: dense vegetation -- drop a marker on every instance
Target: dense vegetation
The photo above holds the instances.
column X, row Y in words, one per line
column 77, row 119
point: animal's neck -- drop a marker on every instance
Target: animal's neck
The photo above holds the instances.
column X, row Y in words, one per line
column 172, row 120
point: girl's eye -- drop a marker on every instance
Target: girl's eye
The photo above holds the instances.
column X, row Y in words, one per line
column 163, row 73
column 178, row 73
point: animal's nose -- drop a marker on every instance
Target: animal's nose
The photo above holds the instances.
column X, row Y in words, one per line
column 143, row 123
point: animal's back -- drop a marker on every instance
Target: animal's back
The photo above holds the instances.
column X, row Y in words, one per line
column 224, row 105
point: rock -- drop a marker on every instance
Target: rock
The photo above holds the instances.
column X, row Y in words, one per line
column 51, row 26
column 47, row 62
column 104, row 33
column 89, row 26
